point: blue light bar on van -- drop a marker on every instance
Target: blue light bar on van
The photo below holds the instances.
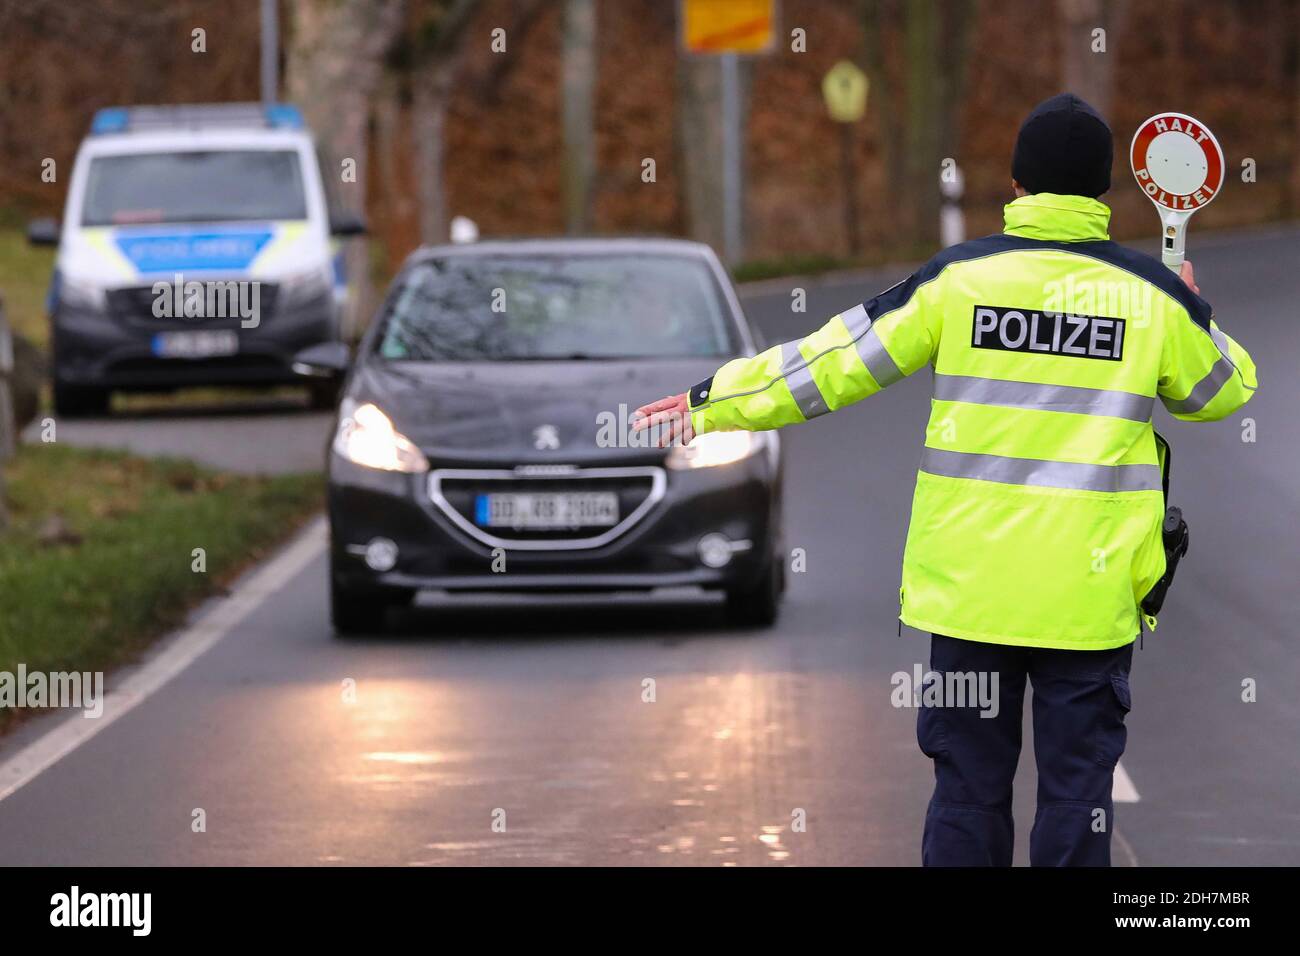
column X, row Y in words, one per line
column 284, row 116
column 122, row 119
column 113, row 119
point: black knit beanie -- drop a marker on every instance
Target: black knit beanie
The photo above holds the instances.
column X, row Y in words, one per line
column 1064, row 147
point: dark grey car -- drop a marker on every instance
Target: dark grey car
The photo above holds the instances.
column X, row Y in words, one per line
column 483, row 441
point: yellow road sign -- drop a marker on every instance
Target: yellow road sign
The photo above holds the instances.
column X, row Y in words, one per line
column 845, row 89
column 728, row 26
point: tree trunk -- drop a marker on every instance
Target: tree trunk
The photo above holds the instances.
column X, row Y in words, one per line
column 335, row 60
column 437, row 61
column 920, row 125
column 391, row 194
column 699, row 142
column 579, row 96
column 877, row 17
column 1088, row 74
column 925, row 115
column 1295, row 109
column 429, row 125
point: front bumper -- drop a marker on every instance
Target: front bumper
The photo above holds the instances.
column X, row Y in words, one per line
column 95, row 348
column 659, row 549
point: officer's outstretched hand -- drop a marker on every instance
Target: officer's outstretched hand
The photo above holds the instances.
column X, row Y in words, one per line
column 670, row 417
column 1188, row 276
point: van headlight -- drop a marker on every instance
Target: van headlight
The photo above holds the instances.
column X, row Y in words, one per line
column 302, row 288
column 81, row 293
column 715, row 448
column 366, row 437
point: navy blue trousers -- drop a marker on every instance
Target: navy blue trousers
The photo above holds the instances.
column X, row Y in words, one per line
column 1080, row 700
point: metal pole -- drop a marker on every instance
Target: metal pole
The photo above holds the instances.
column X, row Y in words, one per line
column 578, row 70
column 731, row 167
column 270, row 52
column 850, row 187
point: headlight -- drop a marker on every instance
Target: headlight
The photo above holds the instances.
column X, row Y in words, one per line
column 81, row 294
column 302, row 287
column 715, row 448
column 366, row 437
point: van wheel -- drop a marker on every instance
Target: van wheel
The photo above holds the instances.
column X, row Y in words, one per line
column 71, row 401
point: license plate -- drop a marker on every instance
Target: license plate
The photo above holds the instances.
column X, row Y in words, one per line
column 204, row 344
column 564, row 509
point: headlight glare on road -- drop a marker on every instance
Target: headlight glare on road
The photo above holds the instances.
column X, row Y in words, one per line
column 366, row 437
column 715, row 448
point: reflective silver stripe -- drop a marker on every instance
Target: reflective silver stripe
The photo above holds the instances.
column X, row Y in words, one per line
column 1221, row 341
column 878, row 362
column 870, row 349
column 795, row 372
column 1204, row 390
column 856, row 321
column 1053, row 398
column 794, row 367
column 1049, row 474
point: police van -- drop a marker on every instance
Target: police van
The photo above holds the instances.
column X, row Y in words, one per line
column 200, row 246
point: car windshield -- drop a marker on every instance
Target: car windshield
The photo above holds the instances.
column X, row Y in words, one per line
column 470, row 307
column 212, row 186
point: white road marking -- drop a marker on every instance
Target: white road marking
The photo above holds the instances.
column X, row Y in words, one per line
column 178, row 654
column 1125, row 849
column 1122, row 789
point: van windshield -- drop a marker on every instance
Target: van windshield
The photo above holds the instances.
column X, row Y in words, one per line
column 194, row 186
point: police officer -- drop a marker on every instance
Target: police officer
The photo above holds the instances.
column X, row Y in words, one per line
column 1036, row 521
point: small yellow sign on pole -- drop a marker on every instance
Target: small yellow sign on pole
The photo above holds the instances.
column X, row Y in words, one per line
column 845, row 89
column 728, row 26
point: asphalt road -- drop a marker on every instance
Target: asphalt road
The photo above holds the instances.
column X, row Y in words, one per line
column 246, row 434
column 537, row 711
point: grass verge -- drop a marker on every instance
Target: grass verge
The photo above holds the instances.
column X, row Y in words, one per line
column 97, row 559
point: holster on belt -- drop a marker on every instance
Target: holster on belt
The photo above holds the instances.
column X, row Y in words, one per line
column 1174, row 533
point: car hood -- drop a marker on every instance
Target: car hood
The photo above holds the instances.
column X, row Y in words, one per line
column 510, row 412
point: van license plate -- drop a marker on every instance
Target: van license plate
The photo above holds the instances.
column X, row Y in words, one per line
column 204, row 344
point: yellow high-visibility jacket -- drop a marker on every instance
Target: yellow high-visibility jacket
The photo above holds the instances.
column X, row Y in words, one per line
column 1038, row 504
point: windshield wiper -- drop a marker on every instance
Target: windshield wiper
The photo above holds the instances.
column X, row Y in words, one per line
column 568, row 357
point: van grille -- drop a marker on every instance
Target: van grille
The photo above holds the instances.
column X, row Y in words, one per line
column 136, row 305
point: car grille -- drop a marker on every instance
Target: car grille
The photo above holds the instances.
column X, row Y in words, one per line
column 455, row 491
column 135, row 304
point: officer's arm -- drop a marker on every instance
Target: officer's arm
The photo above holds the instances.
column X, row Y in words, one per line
column 854, row 355
column 1204, row 374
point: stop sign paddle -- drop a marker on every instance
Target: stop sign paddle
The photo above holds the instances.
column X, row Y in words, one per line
column 1179, row 165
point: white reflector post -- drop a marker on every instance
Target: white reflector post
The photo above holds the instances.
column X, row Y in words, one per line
column 463, row 230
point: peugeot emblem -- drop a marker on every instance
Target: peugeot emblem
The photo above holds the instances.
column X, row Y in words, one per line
column 546, row 438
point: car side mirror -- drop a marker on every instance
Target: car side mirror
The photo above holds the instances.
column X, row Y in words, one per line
column 323, row 360
column 43, row 232
column 344, row 223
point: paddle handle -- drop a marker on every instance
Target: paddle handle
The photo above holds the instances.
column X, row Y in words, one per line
column 1173, row 231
